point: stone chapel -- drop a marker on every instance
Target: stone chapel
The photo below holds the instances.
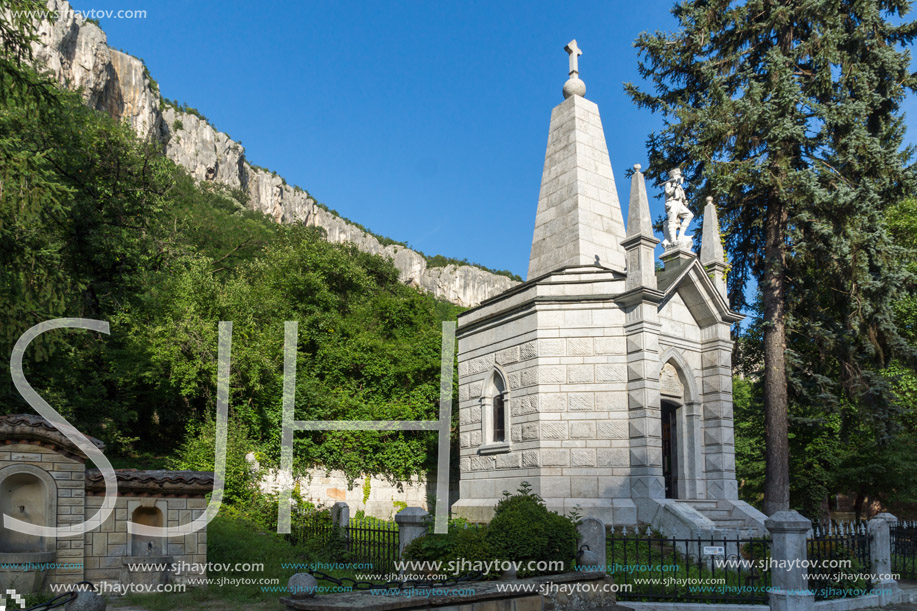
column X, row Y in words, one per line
column 604, row 382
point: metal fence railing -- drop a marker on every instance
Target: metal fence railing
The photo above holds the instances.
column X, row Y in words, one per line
column 363, row 540
column 904, row 549
column 375, row 542
column 708, row 570
column 837, row 553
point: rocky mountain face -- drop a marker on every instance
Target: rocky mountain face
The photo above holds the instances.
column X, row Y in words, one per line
column 77, row 53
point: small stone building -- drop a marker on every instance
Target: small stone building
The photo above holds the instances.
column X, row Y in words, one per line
column 603, row 381
column 44, row 481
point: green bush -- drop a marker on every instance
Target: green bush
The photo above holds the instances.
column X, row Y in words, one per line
column 523, row 529
column 462, row 541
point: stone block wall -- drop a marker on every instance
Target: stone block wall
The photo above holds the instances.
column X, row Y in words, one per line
column 565, row 365
column 324, row 489
column 510, row 349
column 109, row 546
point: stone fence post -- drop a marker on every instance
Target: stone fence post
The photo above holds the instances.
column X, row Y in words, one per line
column 789, row 590
column 591, row 548
column 412, row 524
column 880, row 555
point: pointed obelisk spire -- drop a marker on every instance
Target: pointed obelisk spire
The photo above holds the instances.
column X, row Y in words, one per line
column 639, row 222
column 579, row 220
column 712, row 256
column 640, row 242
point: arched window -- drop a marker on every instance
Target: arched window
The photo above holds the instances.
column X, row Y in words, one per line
column 495, row 408
column 499, row 412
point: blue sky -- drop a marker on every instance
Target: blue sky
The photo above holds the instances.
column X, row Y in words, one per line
column 423, row 121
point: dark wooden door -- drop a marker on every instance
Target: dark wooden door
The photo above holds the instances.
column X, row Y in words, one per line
column 669, row 454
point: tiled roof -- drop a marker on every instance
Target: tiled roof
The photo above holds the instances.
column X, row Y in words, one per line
column 153, row 483
column 31, row 429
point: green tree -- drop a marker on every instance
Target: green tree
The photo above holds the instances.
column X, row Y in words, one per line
column 18, row 22
column 788, row 114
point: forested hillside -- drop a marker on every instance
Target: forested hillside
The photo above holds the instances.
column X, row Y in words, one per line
column 74, row 52
column 95, row 223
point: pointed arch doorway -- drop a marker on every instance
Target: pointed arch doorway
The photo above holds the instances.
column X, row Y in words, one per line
column 682, row 431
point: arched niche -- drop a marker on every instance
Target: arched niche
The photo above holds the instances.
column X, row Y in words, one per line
column 142, row 545
column 29, row 494
column 495, row 414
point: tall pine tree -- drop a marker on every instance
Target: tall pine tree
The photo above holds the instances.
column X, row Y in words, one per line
column 787, row 112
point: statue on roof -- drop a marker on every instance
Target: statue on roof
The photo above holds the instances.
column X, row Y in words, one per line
column 678, row 214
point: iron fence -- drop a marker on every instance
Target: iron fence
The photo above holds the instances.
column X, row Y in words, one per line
column 363, row 540
column 904, row 549
column 838, row 554
column 708, row 570
column 375, row 542
column 311, row 525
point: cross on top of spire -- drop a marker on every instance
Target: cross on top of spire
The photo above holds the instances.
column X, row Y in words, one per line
column 574, row 52
column 574, row 86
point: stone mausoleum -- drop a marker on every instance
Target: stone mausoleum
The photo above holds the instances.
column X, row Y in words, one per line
column 44, row 481
column 604, row 382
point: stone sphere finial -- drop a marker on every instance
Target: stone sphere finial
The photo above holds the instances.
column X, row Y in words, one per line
column 709, row 199
column 574, row 86
column 637, row 167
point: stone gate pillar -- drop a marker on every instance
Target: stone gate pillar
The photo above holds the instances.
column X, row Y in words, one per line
column 789, row 588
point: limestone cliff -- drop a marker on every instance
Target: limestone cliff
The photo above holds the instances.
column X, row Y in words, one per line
column 77, row 53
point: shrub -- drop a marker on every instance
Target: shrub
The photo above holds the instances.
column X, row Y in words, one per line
column 463, row 541
column 523, row 529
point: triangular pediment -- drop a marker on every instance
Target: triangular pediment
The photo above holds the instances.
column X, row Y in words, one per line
column 693, row 287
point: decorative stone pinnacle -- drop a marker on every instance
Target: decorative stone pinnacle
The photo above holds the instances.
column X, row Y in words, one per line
column 639, row 222
column 711, row 248
column 574, row 86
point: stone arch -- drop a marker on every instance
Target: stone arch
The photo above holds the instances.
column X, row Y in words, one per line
column 33, row 491
column 687, row 415
column 685, row 373
column 495, row 412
